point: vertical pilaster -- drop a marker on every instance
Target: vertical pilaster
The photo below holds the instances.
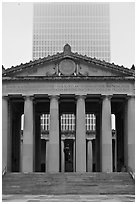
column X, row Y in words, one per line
column 27, row 165
column 53, row 153
column 131, row 132
column 106, row 135
column 80, row 135
column 4, row 131
column 90, row 156
column 62, row 155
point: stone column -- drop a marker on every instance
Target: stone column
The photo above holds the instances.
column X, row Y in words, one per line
column 62, row 155
column 74, row 156
column 106, row 135
column 90, row 156
column 125, row 135
column 4, row 131
column 27, row 165
column 21, row 153
column 46, row 162
column 131, row 132
column 80, row 135
column 98, row 140
column 53, row 153
column 37, row 143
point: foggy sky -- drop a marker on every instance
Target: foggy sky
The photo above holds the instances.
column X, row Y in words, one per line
column 17, row 28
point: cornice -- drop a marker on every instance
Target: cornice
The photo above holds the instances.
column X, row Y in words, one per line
column 69, row 78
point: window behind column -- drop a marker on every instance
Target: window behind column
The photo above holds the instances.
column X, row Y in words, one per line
column 67, row 122
column 90, row 119
column 44, row 124
column 90, row 122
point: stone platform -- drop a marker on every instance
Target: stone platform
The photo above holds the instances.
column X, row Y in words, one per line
column 68, row 187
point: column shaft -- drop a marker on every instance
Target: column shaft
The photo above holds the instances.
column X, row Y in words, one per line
column 62, row 156
column 125, row 136
column 131, row 133
column 106, row 135
column 27, row 165
column 90, row 156
column 80, row 136
column 74, row 156
column 47, row 149
column 53, row 153
column 4, row 132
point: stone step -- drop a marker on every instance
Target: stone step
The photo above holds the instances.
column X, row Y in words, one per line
column 68, row 183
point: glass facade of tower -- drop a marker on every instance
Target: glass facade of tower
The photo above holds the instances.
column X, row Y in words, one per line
column 85, row 26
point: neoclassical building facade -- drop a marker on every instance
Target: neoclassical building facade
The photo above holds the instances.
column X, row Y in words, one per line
column 56, row 115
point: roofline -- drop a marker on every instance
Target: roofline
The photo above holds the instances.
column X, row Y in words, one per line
column 69, row 54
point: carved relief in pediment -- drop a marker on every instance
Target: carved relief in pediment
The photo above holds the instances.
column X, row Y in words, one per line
column 83, row 70
column 67, row 67
column 40, row 70
column 32, row 70
column 51, row 71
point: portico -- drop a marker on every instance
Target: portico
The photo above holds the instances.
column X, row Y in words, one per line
column 75, row 96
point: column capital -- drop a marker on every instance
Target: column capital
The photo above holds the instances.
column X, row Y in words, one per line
column 5, row 97
column 28, row 97
column 130, row 96
column 80, row 97
column 106, row 97
column 54, row 97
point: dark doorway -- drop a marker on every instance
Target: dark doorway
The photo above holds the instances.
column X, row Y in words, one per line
column 16, row 106
column 43, row 155
column 41, row 130
column 68, row 151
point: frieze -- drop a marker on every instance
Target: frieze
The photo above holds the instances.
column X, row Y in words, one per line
column 66, row 87
column 89, row 87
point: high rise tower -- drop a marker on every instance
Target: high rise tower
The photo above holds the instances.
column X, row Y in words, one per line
column 85, row 26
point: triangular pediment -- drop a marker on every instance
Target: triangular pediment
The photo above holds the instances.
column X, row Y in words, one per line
column 67, row 64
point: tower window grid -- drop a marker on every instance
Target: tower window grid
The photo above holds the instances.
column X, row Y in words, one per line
column 68, row 23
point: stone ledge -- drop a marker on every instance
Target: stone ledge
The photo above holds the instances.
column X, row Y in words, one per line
column 72, row 78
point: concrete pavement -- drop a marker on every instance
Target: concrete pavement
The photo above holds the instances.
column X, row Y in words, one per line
column 68, row 198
